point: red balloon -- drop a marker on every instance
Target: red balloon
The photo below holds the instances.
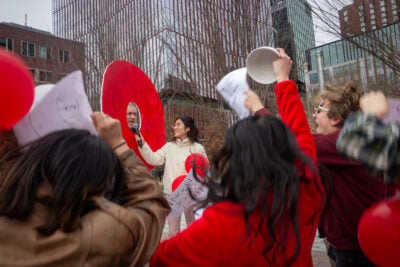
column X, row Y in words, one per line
column 379, row 233
column 177, row 181
column 200, row 161
column 16, row 89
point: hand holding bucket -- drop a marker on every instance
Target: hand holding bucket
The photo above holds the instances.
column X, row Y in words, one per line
column 259, row 64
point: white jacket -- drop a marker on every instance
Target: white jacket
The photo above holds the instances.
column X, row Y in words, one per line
column 173, row 155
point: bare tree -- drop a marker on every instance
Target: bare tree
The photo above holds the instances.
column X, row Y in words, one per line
column 217, row 41
column 201, row 50
column 184, row 48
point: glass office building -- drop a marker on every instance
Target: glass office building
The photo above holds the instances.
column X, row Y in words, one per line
column 185, row 45
column 343, row 61
column 292, row 20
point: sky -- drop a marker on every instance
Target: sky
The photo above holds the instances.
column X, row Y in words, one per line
column 38, row 13
column 39, row 16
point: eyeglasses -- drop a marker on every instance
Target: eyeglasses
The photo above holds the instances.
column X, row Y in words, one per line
column 321, row 108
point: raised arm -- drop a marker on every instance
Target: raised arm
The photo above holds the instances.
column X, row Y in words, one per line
column 375, row 104
column 144, row 208
column 366, row 138
column 289, row 104
column 153, row 158
column 290, row 107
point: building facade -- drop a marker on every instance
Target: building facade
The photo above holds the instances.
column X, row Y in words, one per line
column 49, row 58
column 367, row 15
column 344, row 61
column 292, row 20
column 183, row 46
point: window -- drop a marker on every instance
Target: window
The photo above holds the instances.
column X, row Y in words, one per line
column 61, row 75
column 346, row 71
column 381, row 78
column 354, row 70
column 66, row 56
column 33, row 72
column 28, row 49
column 392, row 79
column 7, row 43
column 63, row 56
column 338, row 73
column 44, row 52
column 378, row 64
column 327, row 76
column 314, row 78
column 44, row 76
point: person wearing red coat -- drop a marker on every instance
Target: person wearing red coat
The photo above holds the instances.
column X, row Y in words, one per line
column 267, row 197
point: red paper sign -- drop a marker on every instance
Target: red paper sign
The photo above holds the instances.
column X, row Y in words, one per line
column 123, row 82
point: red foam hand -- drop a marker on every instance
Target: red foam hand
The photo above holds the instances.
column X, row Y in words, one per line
column 177, row 181
column 379, row 233
column 16, row 89
column 198, row 160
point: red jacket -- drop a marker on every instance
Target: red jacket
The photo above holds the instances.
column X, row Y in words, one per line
column 219, row 237
column 353, row 191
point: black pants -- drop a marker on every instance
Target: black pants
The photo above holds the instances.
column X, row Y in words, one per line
column 349, row 258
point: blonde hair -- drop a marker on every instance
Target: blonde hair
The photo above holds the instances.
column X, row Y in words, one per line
column 343, row 100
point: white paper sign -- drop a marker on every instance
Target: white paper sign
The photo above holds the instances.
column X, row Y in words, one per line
column 180, row 199
column 64, row 106
column 232, row 87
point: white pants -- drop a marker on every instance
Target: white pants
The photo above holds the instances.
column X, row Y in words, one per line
column 174, row 223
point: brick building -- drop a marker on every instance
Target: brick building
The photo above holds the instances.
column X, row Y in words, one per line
column 48, row 57
column 367, row 15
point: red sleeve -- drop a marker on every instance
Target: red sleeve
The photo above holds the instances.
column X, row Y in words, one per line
column 197, row 245
column 292, row 113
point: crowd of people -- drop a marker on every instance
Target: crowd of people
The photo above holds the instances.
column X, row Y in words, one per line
column 72, row 198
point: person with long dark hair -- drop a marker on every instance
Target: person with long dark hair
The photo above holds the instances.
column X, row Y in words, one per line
column 69, row 199
column 173, row 155
column 266, row 196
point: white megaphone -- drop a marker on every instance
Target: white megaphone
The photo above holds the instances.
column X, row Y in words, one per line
column 259, row 64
